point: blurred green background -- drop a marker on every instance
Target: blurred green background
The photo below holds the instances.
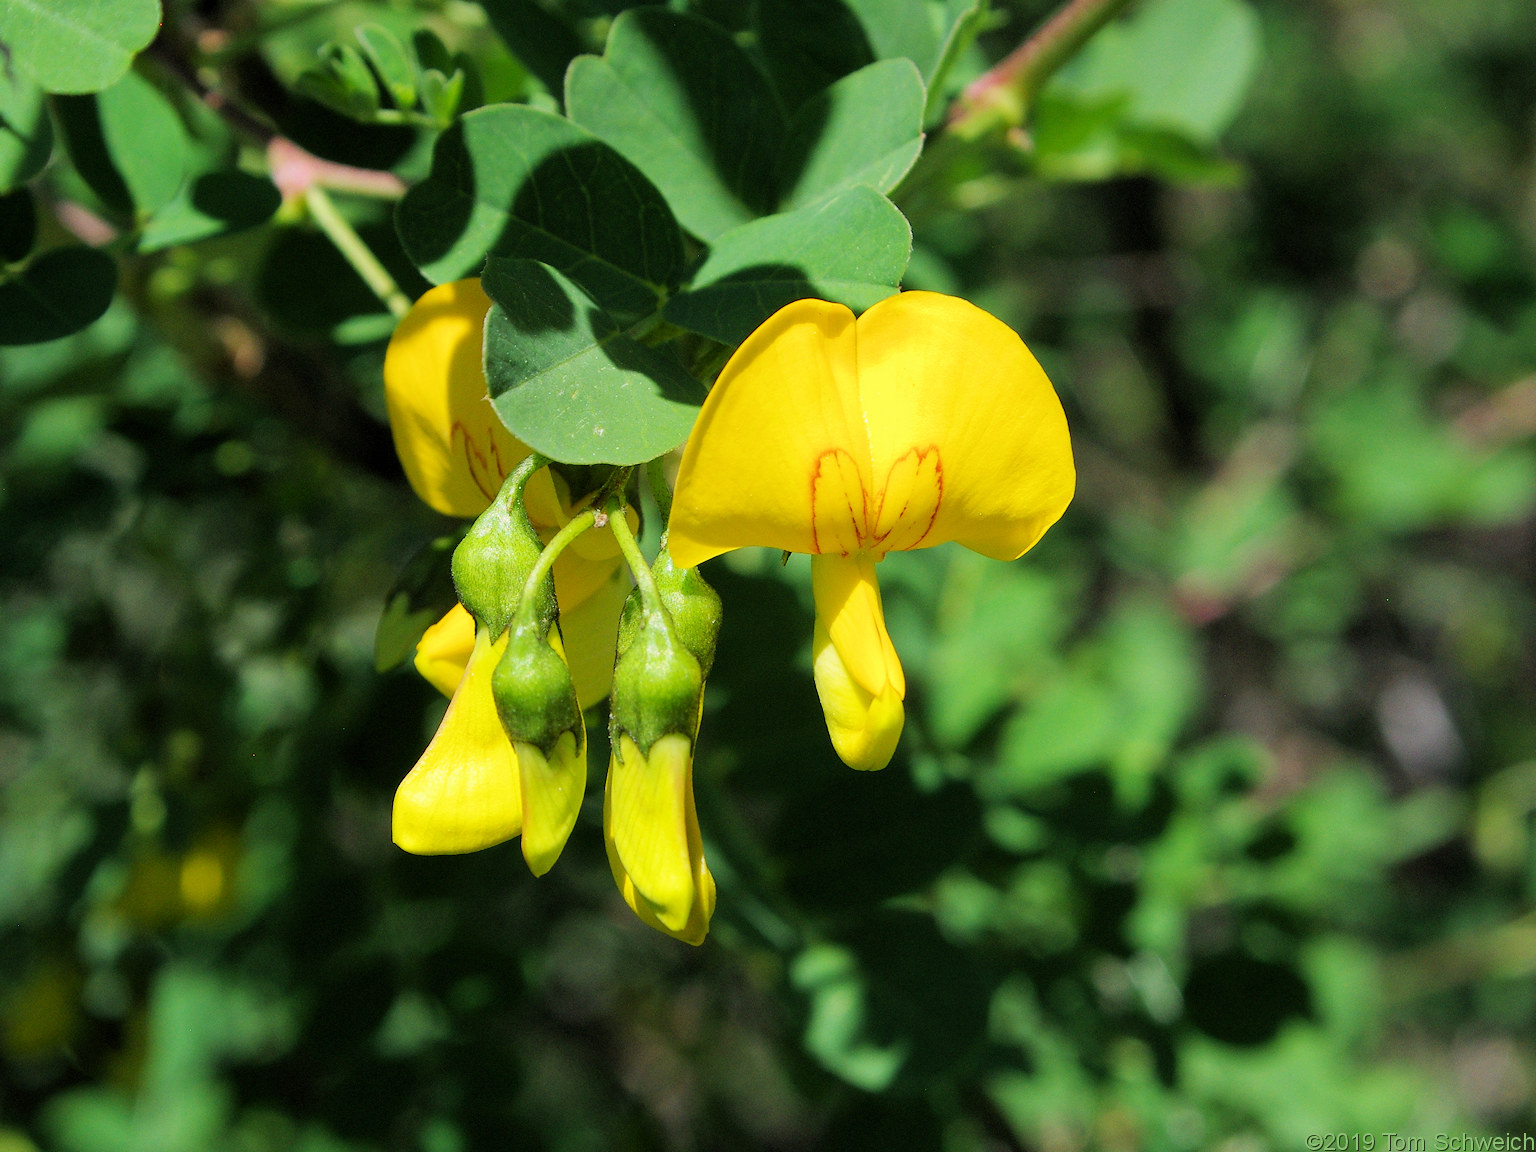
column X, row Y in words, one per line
column 1212, row 823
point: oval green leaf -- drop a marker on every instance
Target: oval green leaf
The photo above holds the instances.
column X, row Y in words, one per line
column 59, row 293
column 865, row 129
column 683, row 101
column 214, row 204
column 127, row 143
column 568, row 382
column 513, row 181
column 69, row 46
column 852, row 249
column 1216, row 43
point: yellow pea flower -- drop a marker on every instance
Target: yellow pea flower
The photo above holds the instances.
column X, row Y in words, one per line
column 444, row 650
column 650, row 824
column 456, row 454
column 922, row 421
column 651, row 831
column 466, row 792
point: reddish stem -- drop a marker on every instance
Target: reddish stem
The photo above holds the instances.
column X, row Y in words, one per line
column 1001, row 97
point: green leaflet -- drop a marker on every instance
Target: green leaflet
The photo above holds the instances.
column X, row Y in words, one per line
column 1117, row 108
column 58, row 293
column 679, row 98
column 213, row 204
column 864, row 129
column 509, row 180
column 568, row 382
column 851, row 248
column 690, row 108
column 76, row 47
column 127, row 143
column 1216, row 44
column 809, row 44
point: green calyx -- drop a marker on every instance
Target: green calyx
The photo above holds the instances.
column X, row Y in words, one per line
column 532, row 686
column 657, row 683
column 691, row 604
column 493, row 561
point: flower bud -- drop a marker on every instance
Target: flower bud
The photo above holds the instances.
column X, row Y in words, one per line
column 649, row 822
column 532, row 685
column 692, row 605
column 657, row 684
column 536, row 701
column 493, row 561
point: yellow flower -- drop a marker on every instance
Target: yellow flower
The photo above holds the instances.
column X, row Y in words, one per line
column 651, row 831
column 650, row 825
column 456, row 453
column 444, row 649
column 466, row 792
column 922, row 421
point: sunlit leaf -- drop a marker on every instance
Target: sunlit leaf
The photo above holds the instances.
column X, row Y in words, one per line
column 512, row 181
column 684, row 103
column 568, row 382
column 851, row 249
column 76, row 47
column 127, row 142
column 864, row 129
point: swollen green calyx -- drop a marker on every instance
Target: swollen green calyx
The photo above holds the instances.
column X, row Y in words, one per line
column 492, row 563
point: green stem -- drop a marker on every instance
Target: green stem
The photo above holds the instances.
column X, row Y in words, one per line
column 653, row 331
column 656, row 473
column 408, row 117
column 526, row 467
column 613, row 487
column 357, row 254
column 574, row 527
column 628, row 545
column 1002, row 97
column 710, row 366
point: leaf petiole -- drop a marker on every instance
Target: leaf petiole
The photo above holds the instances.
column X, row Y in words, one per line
column 351, row 246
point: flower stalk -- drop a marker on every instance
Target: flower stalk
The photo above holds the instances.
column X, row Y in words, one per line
column 661, row 491
column 323, row 210
column 1001, row 98
column 630, row 547
column 577, row 524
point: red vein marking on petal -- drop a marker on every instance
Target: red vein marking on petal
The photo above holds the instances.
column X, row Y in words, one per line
column 858, row 519
column 485, row 465
column 938, row 475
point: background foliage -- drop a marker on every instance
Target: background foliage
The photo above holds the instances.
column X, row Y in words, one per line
column 1211, row 827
